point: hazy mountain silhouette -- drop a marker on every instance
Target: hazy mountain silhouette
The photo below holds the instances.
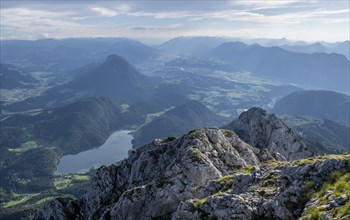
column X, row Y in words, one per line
column 309, row 48
column 341, row 48
column 328, row 71
column 63, row 55
column 319, row 104
column 190, row 45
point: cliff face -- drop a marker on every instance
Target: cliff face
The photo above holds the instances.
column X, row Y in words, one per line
column 206, row 173
column 263, row 130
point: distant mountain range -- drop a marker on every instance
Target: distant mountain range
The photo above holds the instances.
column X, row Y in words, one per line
column 310, row 67
column 340, row 48
column 63, row 55
column 319, row 70
column 199, row 45
column 319, row 104
column 190, row 45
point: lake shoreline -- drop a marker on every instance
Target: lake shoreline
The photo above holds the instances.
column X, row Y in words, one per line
column 115, row 148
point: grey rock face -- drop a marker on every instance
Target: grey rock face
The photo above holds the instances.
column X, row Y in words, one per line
column 242, row 182
column 158, row 176
column 263, row 130
column 267, row 192
column 61, row 209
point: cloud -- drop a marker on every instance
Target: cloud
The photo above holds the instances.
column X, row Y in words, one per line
column 251, row 11
column 105, row 11
column 330, row 12
column 124, row 8
column 112, row 10
column 26, row 23
column 27, row 19
column 266, row 4
column 147, row 28
column 158, row 28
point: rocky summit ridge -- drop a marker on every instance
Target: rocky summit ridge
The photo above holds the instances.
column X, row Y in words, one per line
column 262, row 130
column 206, row 174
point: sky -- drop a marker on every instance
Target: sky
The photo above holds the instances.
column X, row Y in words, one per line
column 155, row 21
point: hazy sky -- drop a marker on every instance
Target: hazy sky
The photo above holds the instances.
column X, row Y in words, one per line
column 309, row 20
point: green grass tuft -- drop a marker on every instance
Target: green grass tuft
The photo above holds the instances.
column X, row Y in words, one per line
column 196, row 155
column 62, row 183
column 313, row 213
column 342, row 211
column 339, row 183
column 42, row 201
column 22, row 200
column 193, row 134
column 225, row 178
column 81, row 177
column 246, row 169
column 199, row 202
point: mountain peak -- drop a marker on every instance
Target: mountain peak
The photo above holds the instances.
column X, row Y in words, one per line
column 255, row 111
column 116, row 60
column 263, row 130
column 115, row 77
column 117, row 65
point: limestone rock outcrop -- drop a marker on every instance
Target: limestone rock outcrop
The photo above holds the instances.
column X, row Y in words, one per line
column 262, row 130
column 158, row 176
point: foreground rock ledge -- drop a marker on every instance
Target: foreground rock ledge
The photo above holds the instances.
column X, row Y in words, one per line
column 207, row 173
